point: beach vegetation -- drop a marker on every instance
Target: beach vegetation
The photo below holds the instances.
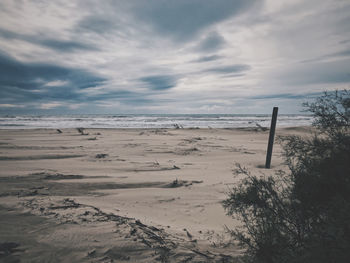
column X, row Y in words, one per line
column 302, row 215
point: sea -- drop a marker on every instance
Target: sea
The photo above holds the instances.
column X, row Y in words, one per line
column 152, row 121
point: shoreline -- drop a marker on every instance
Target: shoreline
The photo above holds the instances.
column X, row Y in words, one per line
column 248, row 128
column 153, row 121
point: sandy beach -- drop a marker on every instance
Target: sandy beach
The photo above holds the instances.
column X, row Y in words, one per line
column 124, row 195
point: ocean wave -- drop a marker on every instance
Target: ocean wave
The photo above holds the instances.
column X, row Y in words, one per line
column 152, row 121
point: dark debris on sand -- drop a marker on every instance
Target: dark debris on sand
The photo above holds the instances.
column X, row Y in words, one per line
column 151, row 243
column 127, row 239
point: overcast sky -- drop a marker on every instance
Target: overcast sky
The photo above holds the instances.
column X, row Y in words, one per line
column 170, row 56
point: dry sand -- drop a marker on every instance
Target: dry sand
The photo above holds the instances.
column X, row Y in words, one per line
column 123, row 195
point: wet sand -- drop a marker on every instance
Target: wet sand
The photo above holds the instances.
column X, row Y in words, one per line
column 124, row 195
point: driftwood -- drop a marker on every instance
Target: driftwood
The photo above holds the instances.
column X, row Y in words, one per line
column 261, row 127
column 81, row 131
column 178, row 126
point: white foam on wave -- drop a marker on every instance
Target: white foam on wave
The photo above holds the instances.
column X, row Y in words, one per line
column 150, row 121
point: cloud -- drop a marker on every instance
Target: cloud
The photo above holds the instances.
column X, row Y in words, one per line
column 343, row 53
column 65, row 45
column 338, row 54
column 33, row 75
column 207, row 58
column 291, row 96
column 329, row 72
column 170, row 56
column 237, row 68
column 159, row 82
column 10, row 106
column 212, row 42
column 99, row 24
column 51, row 105
column 117, row 96
column 55, row 44
column 35, row 81
column 182, row 20
column 56, row 83
column 96, row 24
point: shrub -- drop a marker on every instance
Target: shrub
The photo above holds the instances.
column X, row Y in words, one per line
column 302, row 215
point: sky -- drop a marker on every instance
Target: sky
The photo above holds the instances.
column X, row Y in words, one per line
column 170, row 57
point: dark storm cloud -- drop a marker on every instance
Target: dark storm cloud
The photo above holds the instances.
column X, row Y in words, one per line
column 212, row 42
column 55, row 44
column 237, row 68
column 19, row 85
column 235, row 48
column 29, row 80
column 180, row 20
column 13, row 94
column 160, row 82
column 183, row 19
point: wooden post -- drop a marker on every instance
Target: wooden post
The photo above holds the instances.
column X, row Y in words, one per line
column 271, row 137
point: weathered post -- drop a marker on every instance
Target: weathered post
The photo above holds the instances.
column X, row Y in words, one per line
column 271, row 137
